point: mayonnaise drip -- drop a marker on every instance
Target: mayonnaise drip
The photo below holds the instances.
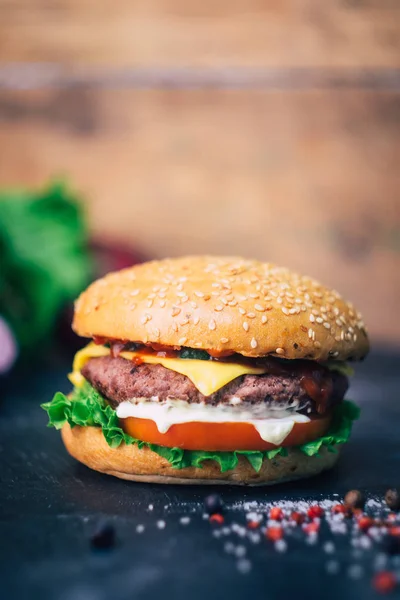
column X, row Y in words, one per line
column 274, row 427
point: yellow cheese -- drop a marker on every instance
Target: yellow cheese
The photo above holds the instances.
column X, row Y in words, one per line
column 207, row 375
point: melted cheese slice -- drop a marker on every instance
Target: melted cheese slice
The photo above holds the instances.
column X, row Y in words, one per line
column 207, row 375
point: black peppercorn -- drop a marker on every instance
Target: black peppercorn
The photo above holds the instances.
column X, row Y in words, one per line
column 104, row 536
column 213, row 504
column 391, row 545
column 392, row 499
column 354, row 499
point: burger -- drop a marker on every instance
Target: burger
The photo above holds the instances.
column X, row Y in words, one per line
column 210, row 370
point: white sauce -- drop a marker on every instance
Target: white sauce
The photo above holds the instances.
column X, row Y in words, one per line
column 274, row 427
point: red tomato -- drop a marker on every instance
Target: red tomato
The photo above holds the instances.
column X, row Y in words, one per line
column 220, row 436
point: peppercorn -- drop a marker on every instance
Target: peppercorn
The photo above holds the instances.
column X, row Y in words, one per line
column 104, row 536
column 392, row 499
column 354, row 499
column 315, row 512
column 276, row 513
column 365, row 523
column 213, row 504
column 216, row 518
column 274, row 533
column 297, row 517
column 384, row 582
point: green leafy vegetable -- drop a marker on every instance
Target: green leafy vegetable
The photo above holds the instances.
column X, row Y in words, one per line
column 43, row 257
column 194, row 354
column 87, row 407
column 339, row 366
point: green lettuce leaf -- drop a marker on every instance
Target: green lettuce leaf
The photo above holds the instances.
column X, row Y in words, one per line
column 87, row 408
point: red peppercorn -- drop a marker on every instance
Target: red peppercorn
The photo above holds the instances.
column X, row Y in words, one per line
column 311, row 528
column 392, row 517
column 384, row 582
column 297, row 517
column 339, row 509
column 217, row 518
column 365, row 523
column 253, row 524
column 274, row 534
column 315, row 512
column 394, row 531
column 276, row 513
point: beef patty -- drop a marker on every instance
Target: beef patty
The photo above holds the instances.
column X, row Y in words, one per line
column 118, row 380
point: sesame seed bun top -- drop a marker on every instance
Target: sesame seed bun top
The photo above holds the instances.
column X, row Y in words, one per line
column 222, row 304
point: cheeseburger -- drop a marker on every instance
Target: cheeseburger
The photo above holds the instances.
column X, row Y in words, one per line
column 210, row 370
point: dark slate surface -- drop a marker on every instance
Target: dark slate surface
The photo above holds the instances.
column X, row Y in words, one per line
column 49, row 505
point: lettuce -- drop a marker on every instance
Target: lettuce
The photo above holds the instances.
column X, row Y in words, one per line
column 87, row 408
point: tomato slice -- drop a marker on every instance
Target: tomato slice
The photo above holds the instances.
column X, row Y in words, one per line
column 220, row 436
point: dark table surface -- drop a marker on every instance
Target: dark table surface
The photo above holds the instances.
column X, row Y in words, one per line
column 50, row 505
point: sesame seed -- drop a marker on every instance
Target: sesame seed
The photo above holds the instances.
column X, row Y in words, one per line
column 280, row 351
column 182, row 341
column 279, row 300
column 251, row 315
column 196, row 320
column 259, row 307
column 157, row 332
column 143, row 320
column 242, row 310
column 319, row 320
column 193, row 304
column 219, row 307
column 253, row 343
column 254, row 296
column 132, row 306
column 184, row 322
column 175, row 311
column 175, row 327
column 179, row 286
column 224, row 340
column 224, row 301
column 207, row 296
column 310, row 333
column 312, row 318
column 327, row 325
column 161, row 295
column 162, row 303
column 199, row 294
column 245, row 325
column 212, row 325
column 150, row 303
column 134, row 293
column 264, row 319
column 317, row 344
column 285, row 310
column 232, row 303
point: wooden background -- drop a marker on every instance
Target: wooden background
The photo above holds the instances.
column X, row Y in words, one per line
column 269, row 128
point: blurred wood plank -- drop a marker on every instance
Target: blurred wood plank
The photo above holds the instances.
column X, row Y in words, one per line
column 275, row 33
column 310, row 180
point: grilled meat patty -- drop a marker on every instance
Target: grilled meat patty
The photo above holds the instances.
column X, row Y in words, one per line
column 118, row 380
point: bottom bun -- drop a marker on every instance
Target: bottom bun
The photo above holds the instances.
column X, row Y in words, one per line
column 87, row 444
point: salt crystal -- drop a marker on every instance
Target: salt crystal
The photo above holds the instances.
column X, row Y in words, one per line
column 243, row 566
column 229, row 547
column 161, row 524
column 329, row 547
column 240, row 551
column 150, row 507
column 280, row 546
column 139, row 528
column 355, row 571
column 184, row 520
column 332, row 567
